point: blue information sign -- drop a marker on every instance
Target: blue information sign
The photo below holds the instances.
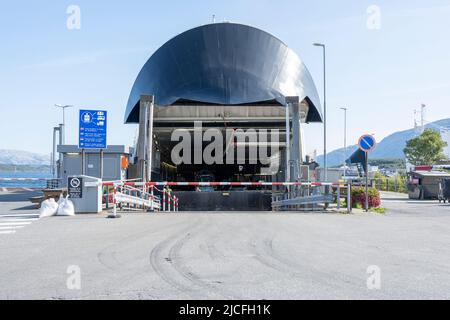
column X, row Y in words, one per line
column 367, row 143
column 93, row 129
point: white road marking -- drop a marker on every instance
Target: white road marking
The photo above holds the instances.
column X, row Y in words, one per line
column 409, row 201
column 18, row 220
column 17, row 215
column 8, row 232
column 11, row 228
column 10, row 223
column 15, row 224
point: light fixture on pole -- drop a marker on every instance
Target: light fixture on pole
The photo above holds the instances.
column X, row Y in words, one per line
column 324, row 110
column 63, row 133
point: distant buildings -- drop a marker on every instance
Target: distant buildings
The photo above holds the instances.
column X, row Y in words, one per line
column 445, row 134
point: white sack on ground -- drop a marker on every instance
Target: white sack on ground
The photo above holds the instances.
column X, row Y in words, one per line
column 66, row 208
column 48, row 208
column 61, row 199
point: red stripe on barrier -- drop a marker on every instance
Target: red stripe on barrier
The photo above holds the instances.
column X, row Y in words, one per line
column 216, row 184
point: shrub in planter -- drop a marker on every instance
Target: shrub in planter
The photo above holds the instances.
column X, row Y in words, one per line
column 359, row 197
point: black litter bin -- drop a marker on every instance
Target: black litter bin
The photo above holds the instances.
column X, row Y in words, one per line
column 445, row 190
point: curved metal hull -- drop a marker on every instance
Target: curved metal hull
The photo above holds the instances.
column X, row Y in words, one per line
column 224, row 64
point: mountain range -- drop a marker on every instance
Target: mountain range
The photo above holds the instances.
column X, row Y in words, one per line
column 18, row 157
column 390, row 147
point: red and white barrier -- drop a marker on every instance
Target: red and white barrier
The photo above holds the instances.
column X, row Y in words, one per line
column 171, row 203
column 25, row 179
column 232, row 184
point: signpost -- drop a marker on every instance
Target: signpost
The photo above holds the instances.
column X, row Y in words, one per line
column 92, row 129
column 93, row 125
column 367, row 143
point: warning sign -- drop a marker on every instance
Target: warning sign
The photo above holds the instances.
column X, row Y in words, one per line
column 75, row 188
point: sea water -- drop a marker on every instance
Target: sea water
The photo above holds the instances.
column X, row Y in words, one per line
column 24, row 184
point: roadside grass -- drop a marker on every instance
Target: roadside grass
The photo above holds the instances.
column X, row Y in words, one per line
column 379, row 210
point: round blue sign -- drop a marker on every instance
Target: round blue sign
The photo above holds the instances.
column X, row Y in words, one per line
column 367, row 143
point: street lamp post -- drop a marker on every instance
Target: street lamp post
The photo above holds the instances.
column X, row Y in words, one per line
column 345, row 135
column 63, row 132
column 324, row 111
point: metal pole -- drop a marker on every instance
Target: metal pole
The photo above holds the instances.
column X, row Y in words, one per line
column 169, row 197
column 114, row 215
column 61, row 137
column 152, row 198
column 367, row 182
column 288, row 145
column 83, row 162
column 143, row 136
column 144, row 162
column 144, row 208
column 345, row 135
column 164, row 200
column 115, row 202
column 324, row 111
column 54, row 171
column 349, row 198
column 339, row 197
column 296, row 155
column 101, row 164
column 325, row 114
column 63, row 132
column 63, row 107
column 150, row 139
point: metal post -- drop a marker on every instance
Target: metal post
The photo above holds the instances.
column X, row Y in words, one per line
column 288, row 145
column 114, row 215
column 61, row 135
column 296, row 151
column 83, row 162
column 141, row 146
column 54, row 170
column 169, row 199
column 325, row 115
column 63, row 107
column 149, row 145
column 339, row 197
column 152, row 198
column 107, row 197
column 164, row 200
column 349, row 198
column 345, row 136
column 115, row 202
column 101, row 164
column 367, row 182
column 324, row 111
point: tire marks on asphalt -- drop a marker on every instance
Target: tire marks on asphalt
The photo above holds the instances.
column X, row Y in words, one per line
column 266, row 253
column 168, row 263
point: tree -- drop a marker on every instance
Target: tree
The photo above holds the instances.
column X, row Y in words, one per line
column 425, row 149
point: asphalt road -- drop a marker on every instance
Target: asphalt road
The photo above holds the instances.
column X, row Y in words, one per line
column 231, row 256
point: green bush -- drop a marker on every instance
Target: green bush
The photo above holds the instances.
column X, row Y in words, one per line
column 394, row 184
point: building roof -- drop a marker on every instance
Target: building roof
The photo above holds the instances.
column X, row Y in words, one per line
column 224, row 64
column 111, row 149
column 432, row 174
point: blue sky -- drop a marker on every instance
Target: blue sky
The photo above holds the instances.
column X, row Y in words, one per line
column 380, row 75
